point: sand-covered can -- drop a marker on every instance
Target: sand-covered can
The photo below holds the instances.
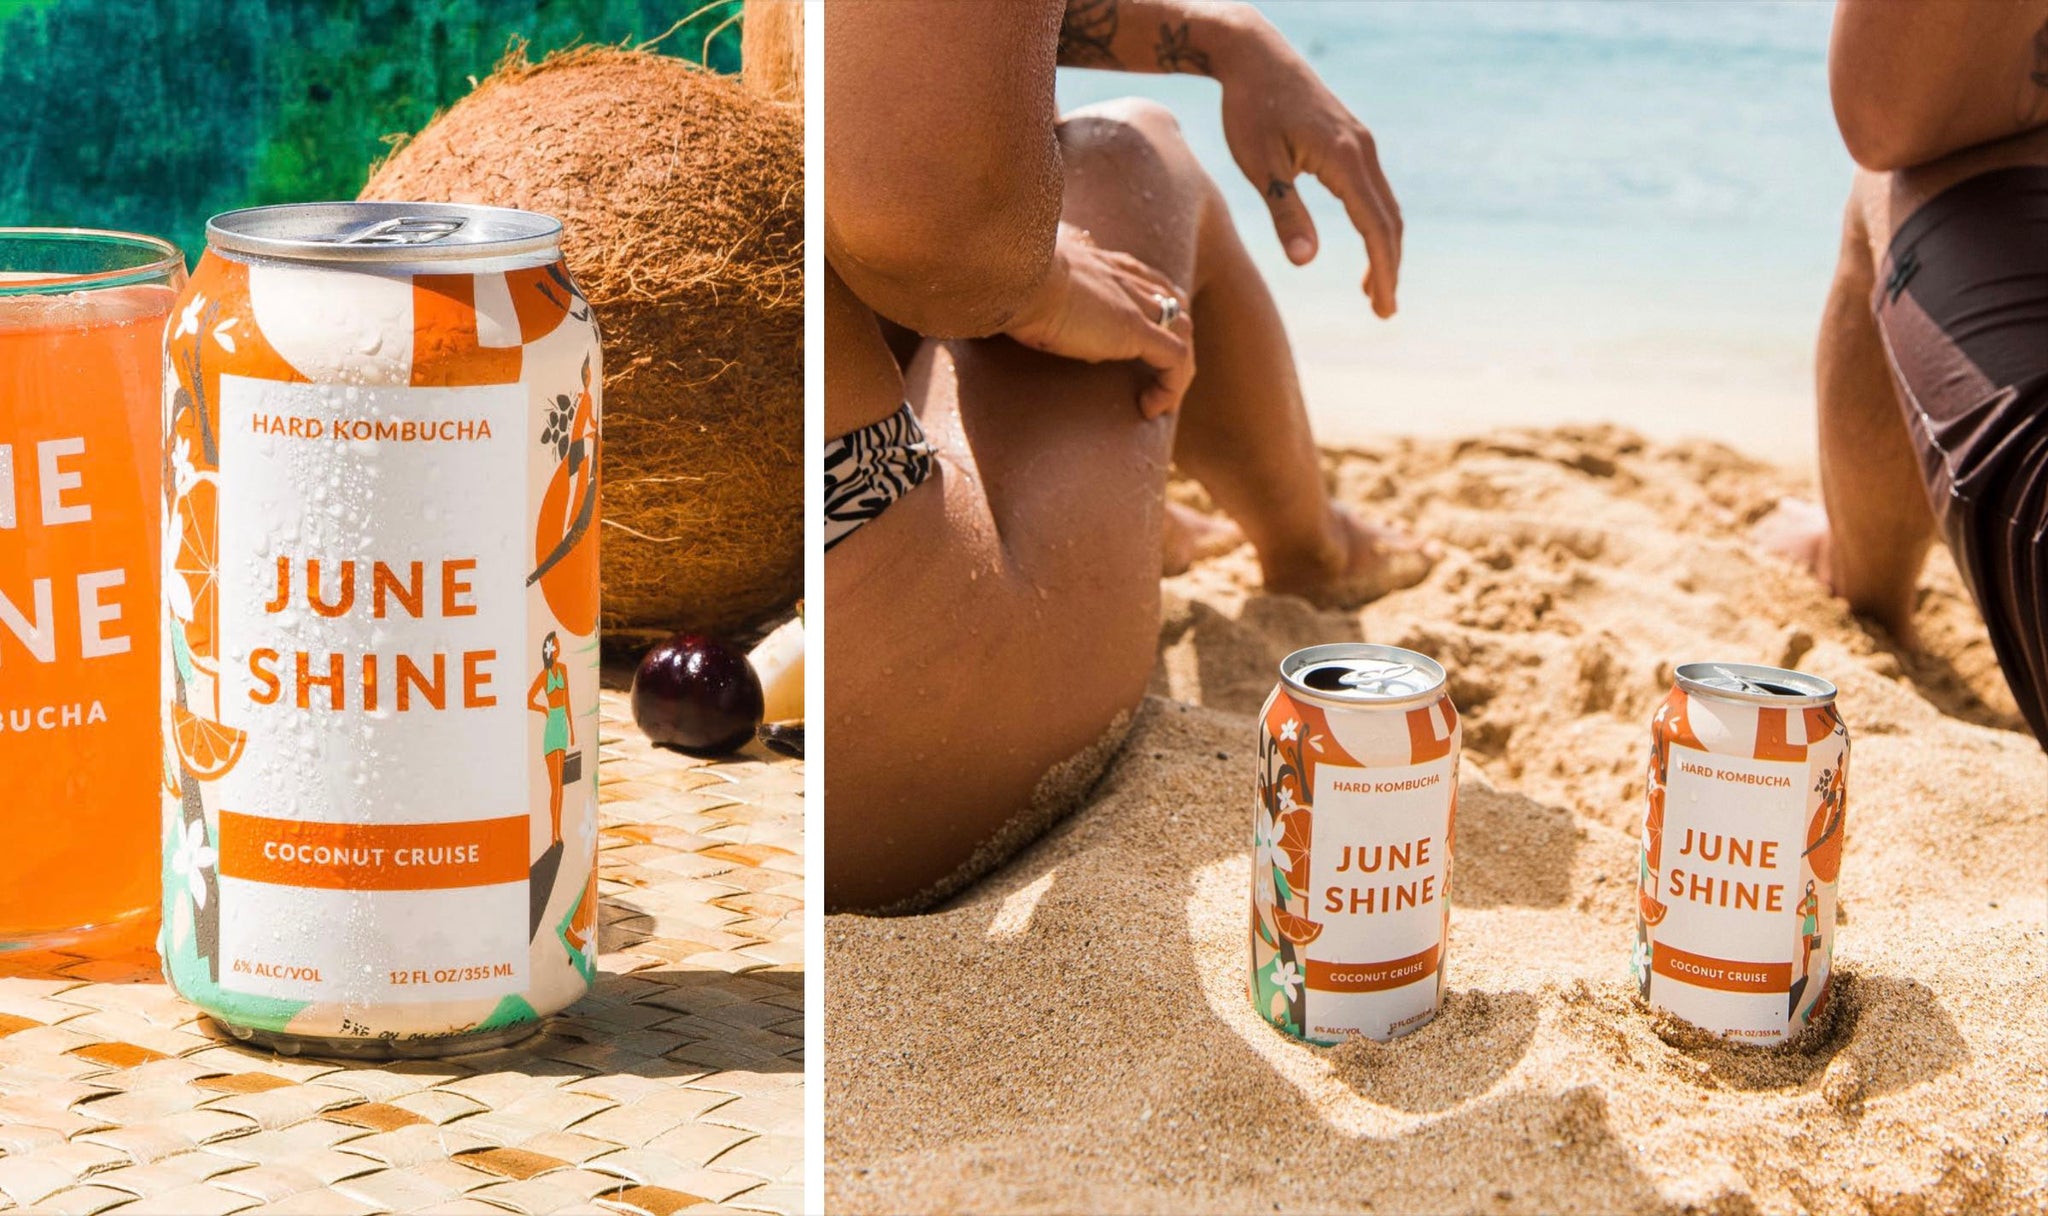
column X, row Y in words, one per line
column 1741, row 849
column 380, row 630
column 1352, row 830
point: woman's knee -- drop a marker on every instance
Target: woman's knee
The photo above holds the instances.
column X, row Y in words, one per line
column 1132, row 180
column 1132, row 135
column 1142, row 115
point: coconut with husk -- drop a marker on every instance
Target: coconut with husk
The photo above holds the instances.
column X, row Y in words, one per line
column 680, row 193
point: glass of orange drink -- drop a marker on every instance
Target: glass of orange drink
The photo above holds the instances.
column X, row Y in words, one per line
column 82, row 319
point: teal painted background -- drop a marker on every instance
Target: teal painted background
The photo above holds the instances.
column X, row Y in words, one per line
column 151, row 115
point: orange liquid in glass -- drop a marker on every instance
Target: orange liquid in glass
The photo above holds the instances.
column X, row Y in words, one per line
column 80, row 752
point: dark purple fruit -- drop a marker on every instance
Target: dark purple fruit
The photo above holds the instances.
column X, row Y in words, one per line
column 698, row 694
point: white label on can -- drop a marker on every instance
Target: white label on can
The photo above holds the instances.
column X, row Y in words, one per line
column 1379, row 854
column 372, row 630
column 1726, row 950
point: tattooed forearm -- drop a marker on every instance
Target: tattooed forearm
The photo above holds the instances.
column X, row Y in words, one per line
column 1277, row 189
column 1177, row 52
column 1086, row 33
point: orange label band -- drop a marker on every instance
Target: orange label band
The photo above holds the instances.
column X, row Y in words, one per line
column 1372, row 977
column 373, row 856
column 1719, row 973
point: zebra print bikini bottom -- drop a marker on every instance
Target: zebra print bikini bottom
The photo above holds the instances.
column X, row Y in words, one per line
column 868, row 469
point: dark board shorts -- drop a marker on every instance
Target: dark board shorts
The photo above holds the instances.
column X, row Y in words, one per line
column 1962, row 302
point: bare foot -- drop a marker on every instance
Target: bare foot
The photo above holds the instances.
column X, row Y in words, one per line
column 1361, row 563
column 1190, row 536
column 1797, row 530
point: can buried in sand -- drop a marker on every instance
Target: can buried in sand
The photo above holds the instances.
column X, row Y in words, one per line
column 1351, row 869
column 1742, row 846
column 380, row 625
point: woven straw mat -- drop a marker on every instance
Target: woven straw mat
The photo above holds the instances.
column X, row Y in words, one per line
column 677, row 1084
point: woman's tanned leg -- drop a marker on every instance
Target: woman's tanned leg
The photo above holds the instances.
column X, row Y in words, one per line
column 1244, row 430
column 1001, row 619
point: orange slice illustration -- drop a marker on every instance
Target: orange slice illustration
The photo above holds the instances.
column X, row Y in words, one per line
column 1653, row 911
column 1297, row 929
column 1824, row 843
column 208, row 749
column 1295, row 831
column 198, row 564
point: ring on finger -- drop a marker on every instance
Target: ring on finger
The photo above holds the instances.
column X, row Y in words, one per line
column 1169, row 310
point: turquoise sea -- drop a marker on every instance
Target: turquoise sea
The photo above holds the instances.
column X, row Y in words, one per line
column 1618, row 211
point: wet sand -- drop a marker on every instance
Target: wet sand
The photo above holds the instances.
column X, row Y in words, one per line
column 1074, row 1034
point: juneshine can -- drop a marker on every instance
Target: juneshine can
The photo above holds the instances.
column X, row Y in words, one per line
column 1741, row 850
column 1352, row 828
column 380, row 628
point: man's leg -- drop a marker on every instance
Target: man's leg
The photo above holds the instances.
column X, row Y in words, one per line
column 1869, row 545
column 1880, row 527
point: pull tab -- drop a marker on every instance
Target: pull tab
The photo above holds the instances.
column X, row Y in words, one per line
column 404, row 230
column 1741, row 683
column 1377, row 680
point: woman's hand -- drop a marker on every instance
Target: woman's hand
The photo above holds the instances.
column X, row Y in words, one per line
column 1281, row 121
column 1101, row 306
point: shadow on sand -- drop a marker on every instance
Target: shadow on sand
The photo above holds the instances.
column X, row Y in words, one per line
column 1881, row 1033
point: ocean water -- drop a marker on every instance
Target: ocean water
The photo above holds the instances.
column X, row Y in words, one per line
column 1620, row 212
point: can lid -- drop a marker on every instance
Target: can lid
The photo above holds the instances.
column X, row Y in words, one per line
column 1755, row 684
column 1362, row 673
column 381, row 232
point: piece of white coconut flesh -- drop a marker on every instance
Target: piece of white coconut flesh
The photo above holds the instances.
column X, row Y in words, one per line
column 779, row 661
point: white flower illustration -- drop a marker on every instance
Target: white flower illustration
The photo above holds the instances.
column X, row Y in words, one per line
column 1640, row 963
column 179, row 593
column 1266, row 836
column 1286, row 800
column 193, row 858
column 188, row 321
column 184, row 473
column 176, row 591
column 1264, row 900
column 1286, row 977
column 1289, row 729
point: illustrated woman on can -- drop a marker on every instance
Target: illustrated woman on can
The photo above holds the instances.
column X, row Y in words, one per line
column 565, row 540
column 559, row 735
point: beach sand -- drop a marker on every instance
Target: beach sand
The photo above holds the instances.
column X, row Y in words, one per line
column 1074, row 1033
